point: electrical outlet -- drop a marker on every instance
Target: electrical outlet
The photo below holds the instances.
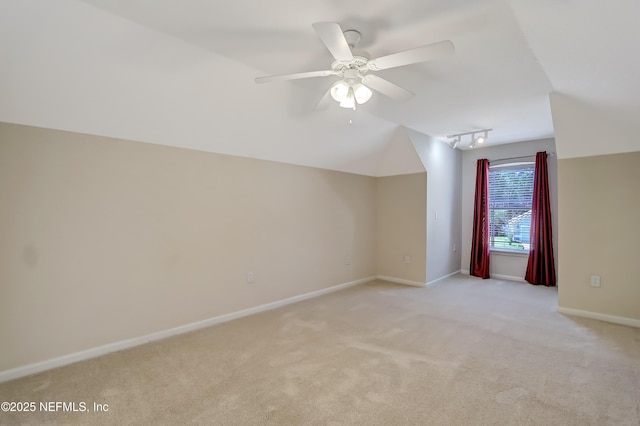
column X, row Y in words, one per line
column 595, row 280
column 347, row 260
column 249, row 277
column 407, row 259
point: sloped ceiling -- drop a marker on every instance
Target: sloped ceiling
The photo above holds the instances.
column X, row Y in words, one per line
column 181, row 72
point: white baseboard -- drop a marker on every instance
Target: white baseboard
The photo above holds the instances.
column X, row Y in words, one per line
column 414, row 283
column 38, row 367
column 402, row 281
column 442, row 278
column 598, row 316
column 498, row 276
column 508, row 278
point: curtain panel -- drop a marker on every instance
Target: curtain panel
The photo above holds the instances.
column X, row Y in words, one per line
column 479, row 266
column 541, row 267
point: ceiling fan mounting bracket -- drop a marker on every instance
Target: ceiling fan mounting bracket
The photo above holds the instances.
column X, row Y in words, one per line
column 352, row 37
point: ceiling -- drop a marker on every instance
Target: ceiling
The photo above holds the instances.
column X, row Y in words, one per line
column 181, row 73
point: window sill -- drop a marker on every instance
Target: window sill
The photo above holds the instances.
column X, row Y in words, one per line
column 507, row 252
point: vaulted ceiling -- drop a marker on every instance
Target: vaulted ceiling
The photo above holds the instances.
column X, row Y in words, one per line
column 181, row 73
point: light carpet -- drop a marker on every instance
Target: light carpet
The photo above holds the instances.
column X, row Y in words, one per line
column 464, row 351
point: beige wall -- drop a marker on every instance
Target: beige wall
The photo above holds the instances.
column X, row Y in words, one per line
column 599, row 209
column 105, row 240
column 401, row 203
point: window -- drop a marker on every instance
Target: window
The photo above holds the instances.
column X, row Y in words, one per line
column 510, row 195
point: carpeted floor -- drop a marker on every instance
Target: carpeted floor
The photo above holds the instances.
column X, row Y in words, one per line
column 461, row 352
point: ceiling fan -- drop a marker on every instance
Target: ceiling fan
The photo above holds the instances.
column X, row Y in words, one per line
column 356, row 68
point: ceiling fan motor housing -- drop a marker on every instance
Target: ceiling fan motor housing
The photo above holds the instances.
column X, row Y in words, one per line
column 357, row 63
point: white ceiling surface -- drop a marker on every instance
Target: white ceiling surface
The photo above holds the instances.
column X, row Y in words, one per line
column 181, row 72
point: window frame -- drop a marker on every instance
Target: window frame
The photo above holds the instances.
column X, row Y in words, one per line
column 501, row 165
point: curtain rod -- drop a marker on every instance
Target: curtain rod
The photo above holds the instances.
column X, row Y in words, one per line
column 551, row 154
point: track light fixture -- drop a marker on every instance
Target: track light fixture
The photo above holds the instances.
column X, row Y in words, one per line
column 475, row 140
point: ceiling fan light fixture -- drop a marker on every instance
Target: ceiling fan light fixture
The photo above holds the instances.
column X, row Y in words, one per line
column 348, row 93
column 340, row 91
column 350, row 100
column 362, row 93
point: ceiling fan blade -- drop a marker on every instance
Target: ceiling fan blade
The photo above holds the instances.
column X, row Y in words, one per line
column 331, row 35
column 296, row 76
column 387, row 88
column 412, row 56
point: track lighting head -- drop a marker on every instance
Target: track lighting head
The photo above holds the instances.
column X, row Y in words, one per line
column 481, row 138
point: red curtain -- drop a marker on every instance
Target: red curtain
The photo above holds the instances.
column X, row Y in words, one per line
column 540, row 268
column 480, row 243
